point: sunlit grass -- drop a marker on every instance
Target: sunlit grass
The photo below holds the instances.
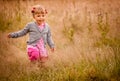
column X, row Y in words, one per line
column 86, row 34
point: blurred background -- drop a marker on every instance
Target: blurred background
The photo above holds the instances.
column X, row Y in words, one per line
column 86, row 35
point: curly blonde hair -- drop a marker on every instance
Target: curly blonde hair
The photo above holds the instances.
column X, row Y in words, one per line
column 38, row 9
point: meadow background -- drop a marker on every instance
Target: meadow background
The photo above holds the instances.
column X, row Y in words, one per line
column 86, row 35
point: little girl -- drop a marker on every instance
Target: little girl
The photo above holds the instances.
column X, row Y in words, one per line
column 39, row 35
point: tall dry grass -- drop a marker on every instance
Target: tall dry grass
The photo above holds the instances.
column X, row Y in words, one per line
column 86, row 35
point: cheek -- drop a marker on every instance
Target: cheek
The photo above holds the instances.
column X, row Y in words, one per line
column 35, row 19
column 44, row 17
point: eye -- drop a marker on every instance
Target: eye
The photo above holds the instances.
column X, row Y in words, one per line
column 43, row 15
column 38, row 16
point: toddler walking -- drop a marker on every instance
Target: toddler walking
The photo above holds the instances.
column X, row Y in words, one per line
column 39, row 35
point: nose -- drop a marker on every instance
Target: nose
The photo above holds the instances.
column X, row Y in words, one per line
column 40, row 16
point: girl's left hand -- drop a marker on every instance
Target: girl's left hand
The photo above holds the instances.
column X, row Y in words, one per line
column 52, row 49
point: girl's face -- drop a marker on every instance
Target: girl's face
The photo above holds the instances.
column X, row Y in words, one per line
column 40, row 18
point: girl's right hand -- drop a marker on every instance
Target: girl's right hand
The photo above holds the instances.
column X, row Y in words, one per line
column 9, row 36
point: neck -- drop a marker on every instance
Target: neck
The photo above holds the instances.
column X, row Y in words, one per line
column 39, row 23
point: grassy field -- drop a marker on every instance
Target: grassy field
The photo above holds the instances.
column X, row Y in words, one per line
column 86, row 35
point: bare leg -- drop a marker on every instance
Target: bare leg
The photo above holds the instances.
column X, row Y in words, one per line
column 42, row 62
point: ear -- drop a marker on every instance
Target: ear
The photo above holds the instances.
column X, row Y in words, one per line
column 33, row 16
